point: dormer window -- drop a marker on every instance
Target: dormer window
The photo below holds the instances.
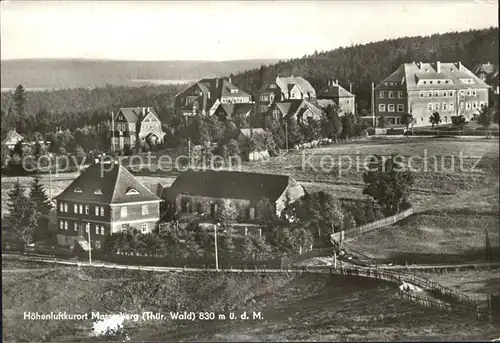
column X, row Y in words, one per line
column 132, row 191
column 98, row 192
column 234, row 91
column 77, row 190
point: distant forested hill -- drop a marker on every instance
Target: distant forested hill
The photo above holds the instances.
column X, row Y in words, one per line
column 362, row 64
column 74, row 73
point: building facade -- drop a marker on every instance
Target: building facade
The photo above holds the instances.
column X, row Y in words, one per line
column 206, row 192
column 136, row 125
column 345, row 100
column 105, row 199
column 298, row 110
column 205, row 96
column 420, row 89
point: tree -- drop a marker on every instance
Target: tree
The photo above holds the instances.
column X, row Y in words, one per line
column 22, row 219
column 228, row 245
column 303, row 239
column 16, row 192
column 19, row 149
column 435, row 119
column 381, row 122
column 248, row 248
column 407, row 120
column 485, row 118
column 39, row 196
column 265, row 211
column 388, row 184
column 19, row 99
column 227, row 214
column 5, row 155
column 331, row 125
column 458, row 122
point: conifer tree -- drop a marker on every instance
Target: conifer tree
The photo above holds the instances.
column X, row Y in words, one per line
column 16, row 192
column 39, row 196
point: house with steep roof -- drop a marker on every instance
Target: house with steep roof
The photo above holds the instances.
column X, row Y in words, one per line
column 489, row 74
column 103, row 200
column 283, row 88
column 423, row 88
column 233, row 111
column 205, row 96
column 136, row 125
column 298, row 110
column 248, row 150
column 344, row 99
column 207, row 192
column 11, row 139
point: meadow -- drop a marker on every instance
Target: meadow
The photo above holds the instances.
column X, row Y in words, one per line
column 293, row 307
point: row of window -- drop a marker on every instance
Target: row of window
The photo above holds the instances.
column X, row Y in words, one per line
column 392, row 83
column 99, row 229
column 450, row 107
column 391, row 107
column 390, row 94
column 123, row 211
column 448, row 93
column 81, row 209
column 434, row 82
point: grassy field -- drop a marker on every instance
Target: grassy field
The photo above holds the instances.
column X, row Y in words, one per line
column 293, row 307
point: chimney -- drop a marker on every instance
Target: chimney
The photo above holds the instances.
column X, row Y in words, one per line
column 143, row 111
column 419, row 65
column 438, row 66
column 229, row 79
column 350, row 87
column 459, row 65
column 216, row 82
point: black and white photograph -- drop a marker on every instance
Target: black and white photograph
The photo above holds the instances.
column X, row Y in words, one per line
column 223, row 171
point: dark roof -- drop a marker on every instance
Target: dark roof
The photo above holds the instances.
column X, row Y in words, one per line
column 234, row 109
column 335, row 90
column 290, row 107
column 132, row 113
column 228, row 185
column 113, row 181
column 12, row 135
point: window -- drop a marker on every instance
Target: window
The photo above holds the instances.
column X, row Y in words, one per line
column 391, row 95
column 445, row 107
column 61, row 207
column 429, row 106
column 401, row 107
column 272, row 85
column 144, row 210
column 421, row 94
column 436, row 107
column 436, row 94
column 276, row 114
column 102, row 211
column 264, row 98
column 381, row 107
column 421, row 118
column 123, row 212
column 451, row 106
column 102, row 230
column 431, row 82
column 469, row 92
column 87, row 227
column 474, row 92
column 65, row 207
column 97, row 210
column 75, row 226
column 263, row 108
column 87, row 209
column 77, row 190
column 400, row 95
column 144, row 227
column 439, row 82
column 425, row 82
column 381, row 95
column 76, row 208
column 462, row 92
column 98, row 192
column 61, row 224
column 65, row 225
column 445, row 119
column 467, row 105
column 444, row 93
column 390, row 108
column 482, row 105
column 97, row 229
column 474, row 104
column 429, row 95
column 132, row 191
column 81, row 209
column 450, row 93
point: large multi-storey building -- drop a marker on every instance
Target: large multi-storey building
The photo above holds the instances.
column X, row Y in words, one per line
column 105, row 199
column 205, row 96
column 423, row 88
column 136, row 125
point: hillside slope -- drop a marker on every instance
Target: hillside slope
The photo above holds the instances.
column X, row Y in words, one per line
column 73, row 73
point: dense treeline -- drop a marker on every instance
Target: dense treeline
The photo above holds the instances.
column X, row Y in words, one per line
column 46, row 111
column 373, row 62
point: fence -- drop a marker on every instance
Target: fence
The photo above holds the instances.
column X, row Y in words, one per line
column 379, row 224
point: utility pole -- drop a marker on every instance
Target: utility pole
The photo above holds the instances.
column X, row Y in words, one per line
column 373, row 104
column 50, row 185
column 112, row 131
column 286, row 134
column 90, row 247
column 216, row 256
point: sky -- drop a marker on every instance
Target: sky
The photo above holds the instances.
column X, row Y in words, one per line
column 222, row 30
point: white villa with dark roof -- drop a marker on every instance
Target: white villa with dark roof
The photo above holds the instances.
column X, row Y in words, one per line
column 423, row 88
column 105, row 199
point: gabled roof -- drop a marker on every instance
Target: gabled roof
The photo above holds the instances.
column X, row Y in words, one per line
column 289, row 107
column 229, row 185
column 334, row 90
column 410, row 73
column 113, row 180
column 287, row 83
column 324, row 103
column 487, row 68
column 12, row 136
column 131, row 114
column 231, row 110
